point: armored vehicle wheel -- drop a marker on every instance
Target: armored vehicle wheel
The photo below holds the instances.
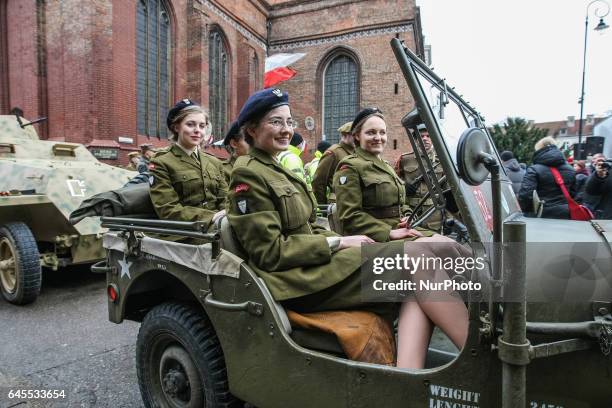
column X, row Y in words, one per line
column 179, row 360
column 20, row 271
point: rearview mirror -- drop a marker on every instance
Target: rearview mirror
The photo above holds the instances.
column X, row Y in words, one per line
column 474, row 152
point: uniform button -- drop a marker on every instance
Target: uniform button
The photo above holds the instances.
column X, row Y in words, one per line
column 184, row 177
column 288, row 190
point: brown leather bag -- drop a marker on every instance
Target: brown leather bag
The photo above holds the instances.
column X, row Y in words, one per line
column 364, row 336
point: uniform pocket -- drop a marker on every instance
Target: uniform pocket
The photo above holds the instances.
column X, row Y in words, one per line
column 379, row 192
column 188, row 184
column 292, row 207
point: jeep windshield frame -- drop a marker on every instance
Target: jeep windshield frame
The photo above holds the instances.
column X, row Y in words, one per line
column 447, row 116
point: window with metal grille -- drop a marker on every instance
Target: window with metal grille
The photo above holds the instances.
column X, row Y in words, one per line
column 340, row 99
column 217, row 83
column 152, row 67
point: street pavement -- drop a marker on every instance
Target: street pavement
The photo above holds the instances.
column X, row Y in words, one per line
column 64, row 341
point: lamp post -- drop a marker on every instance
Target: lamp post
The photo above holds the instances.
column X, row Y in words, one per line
column 601, row 26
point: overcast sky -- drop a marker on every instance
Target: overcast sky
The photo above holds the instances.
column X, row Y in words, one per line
column 521, row 57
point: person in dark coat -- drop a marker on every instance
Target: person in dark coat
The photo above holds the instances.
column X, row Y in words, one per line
column 513, row 169
column 599, row 185
column 539, row 178
column 582, row 174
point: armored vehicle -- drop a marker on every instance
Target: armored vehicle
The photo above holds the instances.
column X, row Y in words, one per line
column 42, row 182
column 212, row 335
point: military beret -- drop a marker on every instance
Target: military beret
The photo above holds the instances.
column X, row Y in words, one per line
column 346, row 128
column 180, row 105
column 233, row 131
column 261, row 102
column 363, row 115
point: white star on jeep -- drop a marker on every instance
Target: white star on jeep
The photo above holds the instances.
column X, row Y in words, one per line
column 125, row 267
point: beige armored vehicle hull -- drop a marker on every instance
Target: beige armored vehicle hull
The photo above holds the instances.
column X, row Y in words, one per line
column 41, row 182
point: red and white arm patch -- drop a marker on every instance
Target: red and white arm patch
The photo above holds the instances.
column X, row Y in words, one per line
column 241, row 187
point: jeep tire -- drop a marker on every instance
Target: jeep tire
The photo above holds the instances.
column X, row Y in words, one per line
column 179, row 360
column 20, row 271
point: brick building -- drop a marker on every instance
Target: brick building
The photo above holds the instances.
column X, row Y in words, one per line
column 104, row 72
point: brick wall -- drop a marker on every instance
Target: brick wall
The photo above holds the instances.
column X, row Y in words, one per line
column 362, row 29
column 23, row 87
column 74, row 61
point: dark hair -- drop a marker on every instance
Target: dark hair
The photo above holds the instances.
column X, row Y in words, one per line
column 323, row 146
column 506, row 155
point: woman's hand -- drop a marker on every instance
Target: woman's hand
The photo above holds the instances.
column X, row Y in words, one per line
column 403, row 223
column 402, row 233
column 354, row 241
column 218, row 215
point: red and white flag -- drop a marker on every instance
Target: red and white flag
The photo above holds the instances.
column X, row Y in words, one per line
column 277, row 68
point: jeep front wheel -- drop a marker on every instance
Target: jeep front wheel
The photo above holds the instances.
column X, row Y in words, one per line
column 179, row 360
column 20, row 271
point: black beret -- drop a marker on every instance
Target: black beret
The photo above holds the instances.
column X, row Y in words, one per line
column 180, row 105
column 362, row 115
column 231, row 133
column 261, row 102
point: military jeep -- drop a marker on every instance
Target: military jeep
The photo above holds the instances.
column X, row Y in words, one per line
column 212, row 335
column 42, row 182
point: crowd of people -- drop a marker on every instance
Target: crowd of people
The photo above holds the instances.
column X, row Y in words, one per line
column 542, row 193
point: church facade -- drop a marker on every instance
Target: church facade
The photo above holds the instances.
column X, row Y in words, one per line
column 105, row 72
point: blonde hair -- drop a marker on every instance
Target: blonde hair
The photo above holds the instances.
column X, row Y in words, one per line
column 183, row 114
column 545, row 141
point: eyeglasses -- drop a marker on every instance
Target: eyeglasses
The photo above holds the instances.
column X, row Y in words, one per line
column 279, row 123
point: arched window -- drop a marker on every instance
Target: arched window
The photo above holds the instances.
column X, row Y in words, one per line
column 218, row 74
column 340, row 95
column 152, row 67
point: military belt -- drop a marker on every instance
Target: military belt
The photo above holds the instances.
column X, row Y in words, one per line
column 384, row 212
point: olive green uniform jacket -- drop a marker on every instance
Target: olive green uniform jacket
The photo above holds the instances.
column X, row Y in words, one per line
column 324, row 176
column 272, row 214
column 228, row 165
column 408, row 170
column 371, row 198
column 183, row 189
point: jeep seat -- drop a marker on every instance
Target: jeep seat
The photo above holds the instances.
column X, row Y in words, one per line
column 311, row 339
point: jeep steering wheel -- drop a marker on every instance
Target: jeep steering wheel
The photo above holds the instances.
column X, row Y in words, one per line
column 421, row 218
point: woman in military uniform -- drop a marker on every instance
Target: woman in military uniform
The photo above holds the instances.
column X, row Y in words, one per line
column 371, row 200
column 306, row 267
column 186, row 183
column 236, row 146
